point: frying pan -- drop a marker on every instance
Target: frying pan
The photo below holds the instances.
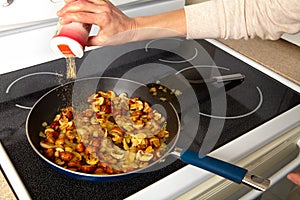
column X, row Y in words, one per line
column 76, row 93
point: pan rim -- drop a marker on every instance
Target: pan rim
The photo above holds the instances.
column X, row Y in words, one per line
column 92, row 176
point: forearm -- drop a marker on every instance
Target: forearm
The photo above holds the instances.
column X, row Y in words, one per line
column 233, row 19
column 169, row 24
column 236, row 19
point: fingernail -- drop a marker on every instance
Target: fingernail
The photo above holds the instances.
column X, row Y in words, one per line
column 290, row 176
column 61, row 20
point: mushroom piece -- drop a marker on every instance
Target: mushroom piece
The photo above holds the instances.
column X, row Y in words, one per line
column 47, row 145
column 117, row 154
column 141, row 156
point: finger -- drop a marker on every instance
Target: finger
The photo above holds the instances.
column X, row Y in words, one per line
column 97, row 1
column 81, row 6
column 64, row 21
column 85, row 17
column 102, row 2
column 294, row 177
column 69, row 1
column 101, row 40
column 94, row 41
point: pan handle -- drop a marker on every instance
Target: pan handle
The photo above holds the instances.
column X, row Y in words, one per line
column 229, row 171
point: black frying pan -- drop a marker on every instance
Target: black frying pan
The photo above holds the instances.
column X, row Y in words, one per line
column 76, row 94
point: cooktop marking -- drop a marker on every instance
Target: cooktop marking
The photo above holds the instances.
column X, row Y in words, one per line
column 238, row 116
column 28, row 75
column 181, row 61
column 25, row 76
column 23, row 107
column 172, row 61
column 201, row 66
column 152, row 41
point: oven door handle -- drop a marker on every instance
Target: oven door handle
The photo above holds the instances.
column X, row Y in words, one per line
column 277, row 176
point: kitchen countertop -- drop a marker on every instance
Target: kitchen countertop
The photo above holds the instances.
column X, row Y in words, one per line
column 6, row 192
column 279, row 56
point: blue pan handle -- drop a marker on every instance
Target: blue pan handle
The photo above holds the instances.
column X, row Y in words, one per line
column 216, row 166
column 229, row 171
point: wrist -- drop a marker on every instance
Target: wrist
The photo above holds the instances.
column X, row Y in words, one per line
column 170, row 24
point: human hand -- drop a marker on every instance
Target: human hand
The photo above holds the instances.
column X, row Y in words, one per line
column 294, row 177
column 115, row 26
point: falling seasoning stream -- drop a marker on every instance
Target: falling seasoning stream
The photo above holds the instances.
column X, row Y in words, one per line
column 71, row 67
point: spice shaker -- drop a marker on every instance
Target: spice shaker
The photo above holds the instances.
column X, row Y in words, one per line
column 70, row 40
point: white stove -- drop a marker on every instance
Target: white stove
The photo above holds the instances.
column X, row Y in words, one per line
column 26, row 44
column 258, row 146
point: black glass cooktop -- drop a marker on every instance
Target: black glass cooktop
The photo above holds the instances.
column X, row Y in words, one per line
column 215, row 114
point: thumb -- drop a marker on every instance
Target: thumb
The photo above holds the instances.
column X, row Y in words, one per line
column 94, row 41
